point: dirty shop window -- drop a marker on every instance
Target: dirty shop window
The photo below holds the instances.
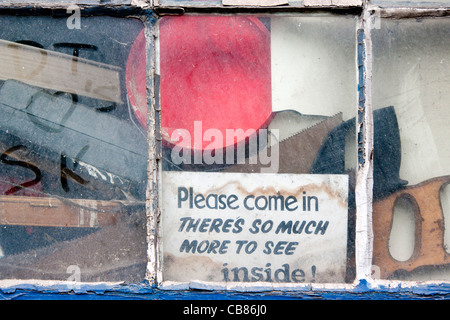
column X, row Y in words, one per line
column 258, row 147
column 73, row 152
column 257, row 120
column 411, row 73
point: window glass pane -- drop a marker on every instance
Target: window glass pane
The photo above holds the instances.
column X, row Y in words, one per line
column 72, row 151
column 258, row 145
column 411, row 77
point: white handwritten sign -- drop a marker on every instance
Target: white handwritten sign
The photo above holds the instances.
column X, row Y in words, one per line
column 254, row 227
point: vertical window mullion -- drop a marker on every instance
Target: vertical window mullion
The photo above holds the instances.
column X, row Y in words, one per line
column 363, row 191
column 152, row 207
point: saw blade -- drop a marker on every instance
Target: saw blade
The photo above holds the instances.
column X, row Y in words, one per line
column 289, row 123
column 297, row 144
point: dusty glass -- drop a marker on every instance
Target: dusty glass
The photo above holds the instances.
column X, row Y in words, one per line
column 411, row 73
column 258, row 148
column 73, row 153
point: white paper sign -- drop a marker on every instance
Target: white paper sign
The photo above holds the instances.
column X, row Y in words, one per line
column 238, row 227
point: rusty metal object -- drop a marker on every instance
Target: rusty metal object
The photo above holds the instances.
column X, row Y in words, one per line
column 429, row 228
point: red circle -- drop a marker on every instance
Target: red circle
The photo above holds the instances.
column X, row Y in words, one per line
column 215, row 77
column 136, row 79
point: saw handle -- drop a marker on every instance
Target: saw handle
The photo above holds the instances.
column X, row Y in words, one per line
column 429, row 228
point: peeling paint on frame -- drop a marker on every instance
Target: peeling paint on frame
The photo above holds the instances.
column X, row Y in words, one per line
column 363, row 189
column 363, row 287
column 152, row 189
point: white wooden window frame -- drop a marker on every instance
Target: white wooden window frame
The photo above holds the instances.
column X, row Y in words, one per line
column 369, row 15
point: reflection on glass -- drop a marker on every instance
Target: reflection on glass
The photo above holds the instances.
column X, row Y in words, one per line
column 411, row 74
column 73, row 154
column 258, row 118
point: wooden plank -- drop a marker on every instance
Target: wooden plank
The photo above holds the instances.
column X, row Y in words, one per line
column 52, row 212
column 58, row 71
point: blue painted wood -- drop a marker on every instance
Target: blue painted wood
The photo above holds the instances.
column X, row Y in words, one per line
column 146, row 292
